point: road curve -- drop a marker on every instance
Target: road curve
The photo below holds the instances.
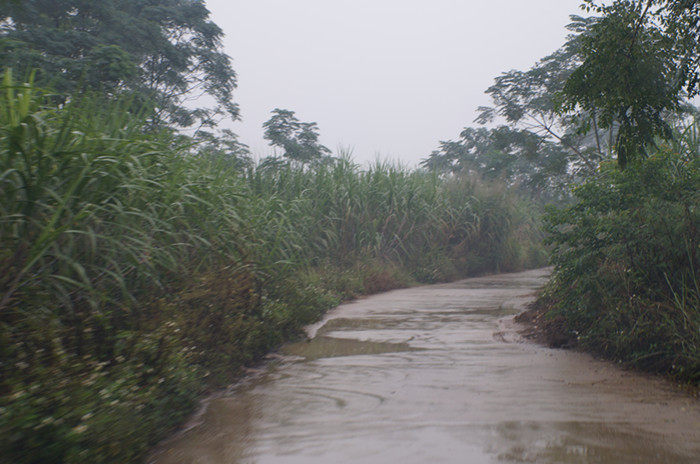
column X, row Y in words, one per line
column 437, row 374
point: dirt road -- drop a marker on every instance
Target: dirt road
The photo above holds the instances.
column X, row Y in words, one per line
column 437, row 374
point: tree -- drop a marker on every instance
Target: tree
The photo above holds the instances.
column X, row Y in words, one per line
column 539, row 148
column 527, row 100
column 225, row 148
column 520, row 158
column 680, row 21
column 164, row 51
column 630, row 74
column 299, row 140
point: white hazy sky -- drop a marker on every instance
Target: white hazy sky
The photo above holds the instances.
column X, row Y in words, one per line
column 388, row 78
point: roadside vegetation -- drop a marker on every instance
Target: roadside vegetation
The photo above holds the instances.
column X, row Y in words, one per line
column 626, row 257
column 145, row 258
column 627, row 251
column 604, row 133
column 142, row 269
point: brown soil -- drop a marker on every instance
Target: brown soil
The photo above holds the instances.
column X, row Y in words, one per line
column 543, row 328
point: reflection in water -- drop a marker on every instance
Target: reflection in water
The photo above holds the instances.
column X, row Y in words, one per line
column 425, row 375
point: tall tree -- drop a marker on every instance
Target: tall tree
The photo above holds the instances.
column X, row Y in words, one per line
column 680, row 21
column 166, row 52
column 527, row 100
column 223, row 147
column 299, row 140
column 633, row 72
column 538, row 148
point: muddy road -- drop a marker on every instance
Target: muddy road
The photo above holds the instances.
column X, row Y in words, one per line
column 438, row 374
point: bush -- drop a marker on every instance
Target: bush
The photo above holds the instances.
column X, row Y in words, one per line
column 626, row 263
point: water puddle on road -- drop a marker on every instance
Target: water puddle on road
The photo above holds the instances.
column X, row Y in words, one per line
column 329, row 347
column 430, row 374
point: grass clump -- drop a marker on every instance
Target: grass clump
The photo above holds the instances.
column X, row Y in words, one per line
column 139, row 272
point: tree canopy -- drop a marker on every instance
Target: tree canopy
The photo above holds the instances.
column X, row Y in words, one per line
column 299, row 140
column 532, row 144
column 629, row 74
column 166, row 52
column 614, row 88
column 528, row 100
column 678, row 20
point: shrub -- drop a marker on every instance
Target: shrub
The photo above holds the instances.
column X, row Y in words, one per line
column 626, row 263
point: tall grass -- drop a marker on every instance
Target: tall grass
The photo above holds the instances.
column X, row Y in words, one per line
column 137, row 272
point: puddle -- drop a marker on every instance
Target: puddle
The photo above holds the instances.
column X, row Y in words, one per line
column 329, row 347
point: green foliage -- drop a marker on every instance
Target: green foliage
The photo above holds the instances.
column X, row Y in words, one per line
column 140, row 271
column 629, row 74
column 529, row 100
column 161, row 50
column 626, row 256
column 519, row 158
column 299, row 140
column 222, row 148
column 539, row 150
column 681, row 19
column 679, row 22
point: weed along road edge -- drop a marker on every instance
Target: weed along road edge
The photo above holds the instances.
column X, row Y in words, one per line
column 438, row 374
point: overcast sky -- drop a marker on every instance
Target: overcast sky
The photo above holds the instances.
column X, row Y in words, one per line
column 383, row 77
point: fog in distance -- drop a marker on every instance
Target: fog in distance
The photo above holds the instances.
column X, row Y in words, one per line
column 387, row 78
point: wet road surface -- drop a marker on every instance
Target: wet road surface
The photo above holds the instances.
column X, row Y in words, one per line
column 438, row 374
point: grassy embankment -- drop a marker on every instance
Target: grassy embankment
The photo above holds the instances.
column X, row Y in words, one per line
column 626, row 284
column 138, row 274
